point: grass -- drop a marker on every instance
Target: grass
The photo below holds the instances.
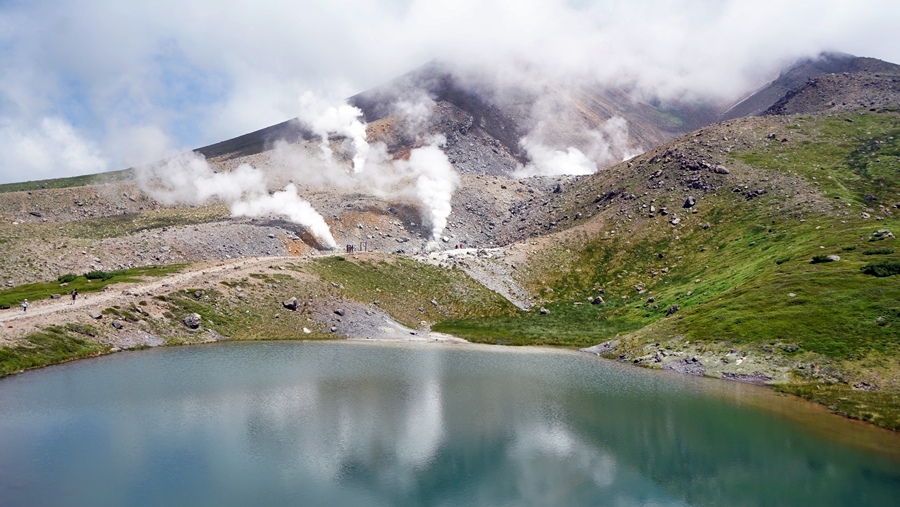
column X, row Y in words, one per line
column 878, row 407
column 121, row 225
column 849, row 160
column 52, row 345
column 74, row 181
column 42, row 290
column 411, row 291
column 256, row 314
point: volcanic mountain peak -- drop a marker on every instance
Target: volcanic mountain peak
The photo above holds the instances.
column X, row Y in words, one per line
column 801, row 72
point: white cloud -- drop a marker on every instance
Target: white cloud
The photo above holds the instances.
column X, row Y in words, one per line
column 50, row 149
column 200, row 71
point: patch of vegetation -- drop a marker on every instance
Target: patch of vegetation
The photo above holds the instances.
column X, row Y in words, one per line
column 411, row 291
column 131, row 223
column 566, row 325
column 878, row 407
column 43, row 290
column 879, row 251
column 74, row 181
column 66, row 278
column 49, row 346
column 882, row 268
column 103, row 275
column 855, row 161
column 256, row 315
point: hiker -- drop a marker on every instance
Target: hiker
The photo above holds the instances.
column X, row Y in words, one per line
column 74, row 295
column 25, row 305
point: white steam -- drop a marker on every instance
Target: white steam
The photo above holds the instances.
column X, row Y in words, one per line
column 435, row 183
column 427, row 175
column 599, row 147
column 288, row 204
column 189, row 179
column 343, row 119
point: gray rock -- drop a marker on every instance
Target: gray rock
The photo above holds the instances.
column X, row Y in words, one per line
column 689, row 202
column 544, row 311
column 672, row 309
column 192, row 320
column 747, row 378
column 882, row 234
column 687, row 367
column 290, row 304
column 94, row 314
column 118, row 324
column 339, row 312
column 833, row 258
column 603, row 348
column 597, row 301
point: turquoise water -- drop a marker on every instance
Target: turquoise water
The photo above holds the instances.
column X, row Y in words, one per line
column 289, row 423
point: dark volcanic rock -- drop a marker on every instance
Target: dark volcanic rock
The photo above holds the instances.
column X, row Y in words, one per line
column 687, row 367
column 192, row 320
column 290, row 304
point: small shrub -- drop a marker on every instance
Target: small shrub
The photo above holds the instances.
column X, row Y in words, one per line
column 817, row 259
column 66, row 278
column 849, row 248
column 782, row 260
column 103, row 275
column 879, row 251
column 882, row 268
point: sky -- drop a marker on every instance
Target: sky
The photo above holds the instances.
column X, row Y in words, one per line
column 99, row 85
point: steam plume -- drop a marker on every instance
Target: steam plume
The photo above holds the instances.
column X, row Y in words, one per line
column 435, row 184
column 189, row 179
column 343, row 119
column 599, row 147
column 288, row 204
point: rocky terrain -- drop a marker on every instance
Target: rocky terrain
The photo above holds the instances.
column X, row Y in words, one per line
column 737, row 250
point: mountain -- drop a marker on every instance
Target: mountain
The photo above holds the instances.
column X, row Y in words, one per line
column 484, row 124
column 760, row 249
column 799, row 74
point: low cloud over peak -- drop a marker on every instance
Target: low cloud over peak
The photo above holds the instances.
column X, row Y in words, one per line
column 111, row 85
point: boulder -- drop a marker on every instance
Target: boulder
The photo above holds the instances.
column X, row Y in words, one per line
column 672, row 309
column 118, row 324
column 689, row 202
column 290, row 304
column 339, row 312
column 882, row 234
column 544, row 311
column 597, row 301
column 192, row 320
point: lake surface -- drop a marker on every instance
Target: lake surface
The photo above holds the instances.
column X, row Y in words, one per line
column 289, row 423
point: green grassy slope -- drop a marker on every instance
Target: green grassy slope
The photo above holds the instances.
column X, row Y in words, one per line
column 736, row 272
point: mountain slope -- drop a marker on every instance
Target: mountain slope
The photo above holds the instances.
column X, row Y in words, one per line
column 801, row 72
column 706, row 254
